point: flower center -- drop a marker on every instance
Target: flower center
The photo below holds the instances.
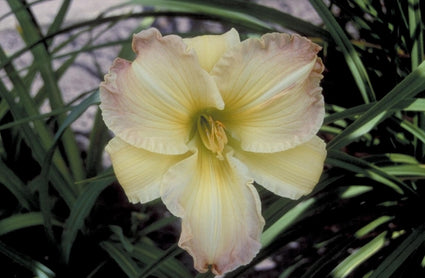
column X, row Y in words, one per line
column 213, row 134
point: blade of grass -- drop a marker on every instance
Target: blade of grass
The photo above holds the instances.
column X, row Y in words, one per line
column 208, row 274
column 335, row 252
column 417, row 56
column 105, row 175
column 392, row 262
column 76, row 112
column 59, row 174
column 89, row 24
column 99, row 137
column 118, row 234
column 392, row 158
column 354, row 260
column 411, row 171
column 59, row 18
column 169, row 253
column 74, row 115
column 277, row 209
column 14, row 10
column 31, row 32
column 415, row 130
column 79, row 212
column 291, row 269
column 23, row 221
column 283, row 239
column 355, row 191
column 359, row 166
column 284, row 222
column 124, row 261
column 157, row 225
column 14, row 184
column 31, row 119
column 350, row 54
column 409, row 87
column 242, row 12
column 26, row 107
column 373, row 225
column 144, row 251
column 42, row 182
column 411, row 104
column 37, row 268
column 416, row 32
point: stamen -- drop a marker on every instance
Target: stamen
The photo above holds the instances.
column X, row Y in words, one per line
column 213, row 134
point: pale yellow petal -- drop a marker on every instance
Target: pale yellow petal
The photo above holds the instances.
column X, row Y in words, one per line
column 150, row 102
column 272, row 92
column 139, row 171
column 220, row 211
column 210, row 48
column 291, row 173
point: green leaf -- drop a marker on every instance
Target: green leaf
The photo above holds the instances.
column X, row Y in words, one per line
column 22, row 221
column 74, row 115
column 413, row 84
column 157, row 225
column 31, row 32
column 416, row 32
column 34, row 118
column 146, row 252
column 409, row 104
column 79, row 211
column 125, row 242
column 285, row 221
column 392, row 158
column 392, row 262
column 208, row 274
column 99, row 136
column 59, row 18
column 415, row 130
column 244, row 13
column 336, row 250
column 26, row 107
column 417, row 171
column 350, row 54
column 37, row 268
column 123, row 259
column 170, row 253
column 364, row 168
column 372, row 225
column 14, row 184
column 359, row 256
column 355, row 190
column 42, row 179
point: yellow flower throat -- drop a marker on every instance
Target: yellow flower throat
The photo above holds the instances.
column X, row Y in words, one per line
column 213, row 134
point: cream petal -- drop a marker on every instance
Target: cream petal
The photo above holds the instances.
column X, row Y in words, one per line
column 271, row 87
column 220, row 211
column 210, row 48
column 139, row 171
column 150, row 103
column 291, row 173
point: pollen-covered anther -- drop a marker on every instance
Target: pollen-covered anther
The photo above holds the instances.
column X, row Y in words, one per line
column 213, row 134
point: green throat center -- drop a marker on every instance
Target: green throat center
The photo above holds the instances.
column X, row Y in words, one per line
column 213, row 134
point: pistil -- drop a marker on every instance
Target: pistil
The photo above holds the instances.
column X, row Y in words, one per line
column 213, row 134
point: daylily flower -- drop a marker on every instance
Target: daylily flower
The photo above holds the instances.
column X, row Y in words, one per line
column 198, row 120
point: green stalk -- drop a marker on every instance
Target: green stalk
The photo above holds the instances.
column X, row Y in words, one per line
column 417, row 56
column 43, row 60
column 40, row 140
column 350, row 54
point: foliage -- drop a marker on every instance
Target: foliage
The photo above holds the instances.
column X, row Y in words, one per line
column 62, row 213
